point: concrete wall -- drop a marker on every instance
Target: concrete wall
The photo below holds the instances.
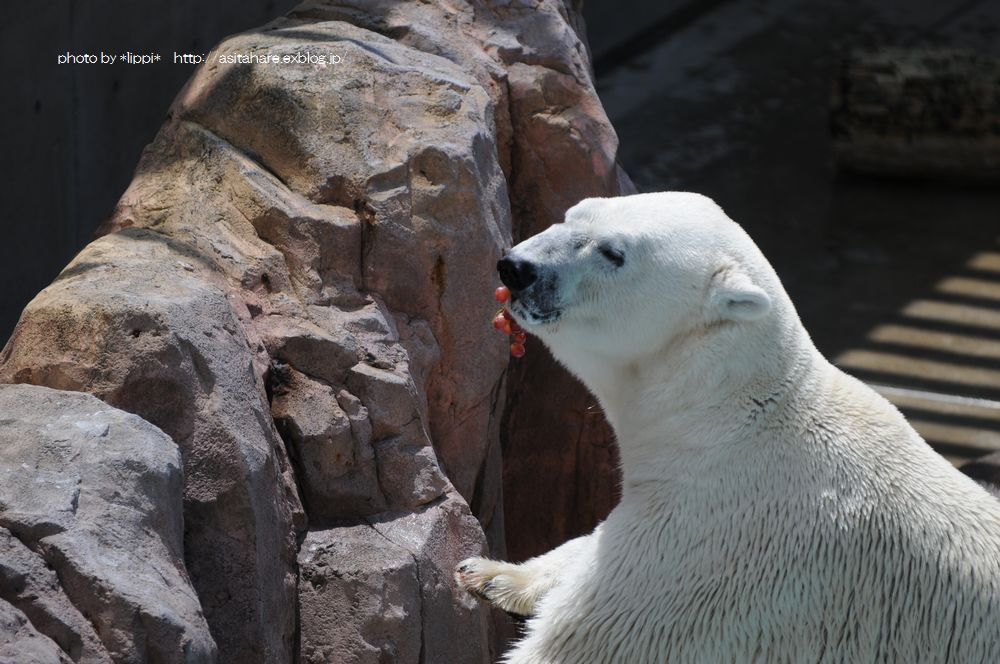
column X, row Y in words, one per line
column 71, row 135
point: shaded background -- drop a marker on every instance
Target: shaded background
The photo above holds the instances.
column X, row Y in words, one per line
column 897, row 280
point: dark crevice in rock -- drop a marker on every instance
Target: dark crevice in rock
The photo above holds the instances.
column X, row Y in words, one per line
column 367, row 241
column 378, row 477
column 276, row 380
column 478, row 499
column 66, row 639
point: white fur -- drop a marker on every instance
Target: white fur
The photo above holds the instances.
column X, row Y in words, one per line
column 773, row 508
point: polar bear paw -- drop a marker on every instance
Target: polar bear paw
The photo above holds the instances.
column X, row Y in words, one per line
column 507, row 586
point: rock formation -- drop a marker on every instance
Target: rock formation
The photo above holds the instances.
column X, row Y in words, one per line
column 296, row 288
column 91, row 533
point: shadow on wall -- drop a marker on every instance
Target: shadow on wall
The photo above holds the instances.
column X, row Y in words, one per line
column 72, row 134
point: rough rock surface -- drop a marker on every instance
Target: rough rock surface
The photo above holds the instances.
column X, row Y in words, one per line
column 91, row 537
column 30, row 585
column 382, row 591
column 556, row 146
column 134, row 321
column 330, row 448
column 296, row 287
column 21, row 643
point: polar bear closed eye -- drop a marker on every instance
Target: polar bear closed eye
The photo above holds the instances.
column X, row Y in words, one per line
column 773, row 508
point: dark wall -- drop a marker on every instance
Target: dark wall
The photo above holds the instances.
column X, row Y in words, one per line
column 619, row 29
column 72, row 134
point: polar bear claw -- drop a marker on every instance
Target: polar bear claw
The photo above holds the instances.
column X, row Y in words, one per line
column 508, row 587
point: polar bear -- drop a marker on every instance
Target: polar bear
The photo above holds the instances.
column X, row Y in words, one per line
column 773, row 509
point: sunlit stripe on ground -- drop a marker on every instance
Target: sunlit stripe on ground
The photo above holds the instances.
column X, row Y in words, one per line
column 957, row 460
column 936, row 402
column 902, row 365
column 960, row 314
column 961, row 427
column 933, row 340
column 960, row 436
column 981, row 288
column 987, row 261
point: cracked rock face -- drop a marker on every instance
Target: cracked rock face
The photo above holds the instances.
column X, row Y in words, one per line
column 21, row 643
column 91, row 533
column 297, row 289
column 140, row 320
column 382, row 591
column 556, row 147
column 259, row 268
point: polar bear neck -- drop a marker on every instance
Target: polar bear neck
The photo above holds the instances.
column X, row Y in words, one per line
column 703, row 397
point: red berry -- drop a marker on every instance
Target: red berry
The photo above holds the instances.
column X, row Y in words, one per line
column 502, row 294
column 499, row 322
column 506, row 327
column 519, row 337
column 516, row 349
column 507, row 315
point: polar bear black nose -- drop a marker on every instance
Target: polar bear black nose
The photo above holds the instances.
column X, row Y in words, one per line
column 516, row 275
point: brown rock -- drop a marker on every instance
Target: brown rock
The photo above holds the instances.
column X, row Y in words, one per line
column 320, row 243
column 96, row 493
column 327, row 355
column 408, row 472
column 359, row 598
column 232, row 188
column 20, row 642
column 403, row 139
column 391, row 398
column 33, row 588
column 290, row 221
column 383, row 591
column 432, row 201
column 557, row 146
column 128, row 322
column 332, row 451
column 455, row 627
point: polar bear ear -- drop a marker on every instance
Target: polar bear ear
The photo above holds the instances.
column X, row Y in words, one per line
column 735, row 296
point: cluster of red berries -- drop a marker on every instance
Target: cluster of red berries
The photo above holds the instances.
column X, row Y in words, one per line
column 506, row 323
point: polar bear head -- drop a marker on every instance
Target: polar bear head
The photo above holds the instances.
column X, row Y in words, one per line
column 623, row 279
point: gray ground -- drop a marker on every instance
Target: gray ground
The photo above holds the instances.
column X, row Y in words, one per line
column 898, row 281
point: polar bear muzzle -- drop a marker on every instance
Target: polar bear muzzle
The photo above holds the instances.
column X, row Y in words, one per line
column 533, row 290
column 516, row 274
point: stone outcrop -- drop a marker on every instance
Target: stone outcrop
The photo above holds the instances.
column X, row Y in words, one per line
column 556, row 147
column 296, row 288
column 21, row 643
column 91, row 533
column 34, row 588
column 383, row 591
column 139, row 320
